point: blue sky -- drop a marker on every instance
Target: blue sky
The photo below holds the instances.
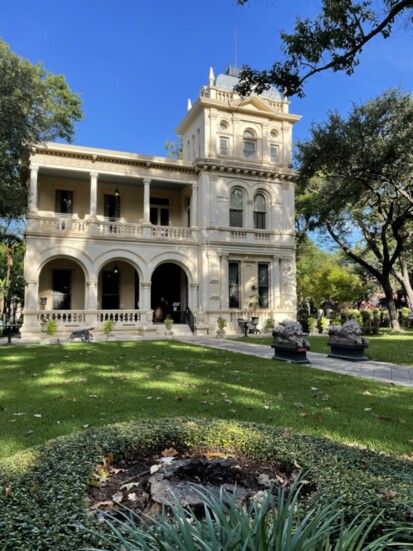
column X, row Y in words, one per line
column 136, row 63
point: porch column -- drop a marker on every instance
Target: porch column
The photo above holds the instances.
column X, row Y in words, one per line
column 93, row 194
column 32, row 199
column 92, row 294
column 194, row 206
column 146, row 296
column 224, row 282
column 146, row 200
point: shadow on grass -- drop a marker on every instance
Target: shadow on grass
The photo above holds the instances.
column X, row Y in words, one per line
column 48, row 391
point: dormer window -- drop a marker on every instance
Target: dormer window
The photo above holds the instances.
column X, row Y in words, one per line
column 249, row 144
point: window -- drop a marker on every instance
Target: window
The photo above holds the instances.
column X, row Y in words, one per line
column 159, row 212
column 263, row 286
column 249, row 145
column 274, row 134
column 64, row 201
column 234, row 284
column 62, row 289
column 223, row 125
column 274, row 153
column 236, row 209
column 260, row 210
column 223, row 146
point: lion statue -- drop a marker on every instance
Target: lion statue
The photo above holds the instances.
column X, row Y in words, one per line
column 348, row 333
column 290, row 333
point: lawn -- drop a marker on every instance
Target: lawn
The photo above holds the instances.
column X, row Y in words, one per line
column 382, row 348
column 48, row 391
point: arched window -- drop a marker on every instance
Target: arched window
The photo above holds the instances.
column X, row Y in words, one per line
column 260, row 210
column 236, row 209
column 249, row 150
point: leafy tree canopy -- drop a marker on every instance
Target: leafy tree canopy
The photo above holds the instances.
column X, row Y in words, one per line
column 333, row 40
column 35, row 106
column 357, row 173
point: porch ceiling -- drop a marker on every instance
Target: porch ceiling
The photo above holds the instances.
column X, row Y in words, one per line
column 111, row 178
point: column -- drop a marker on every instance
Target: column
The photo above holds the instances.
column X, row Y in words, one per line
column 194, row 206
column 249, row 214
column 92, row 294
column 145, row 302
column 31, row 300
column 146, row 200
column 32, row 199
column 93, row 194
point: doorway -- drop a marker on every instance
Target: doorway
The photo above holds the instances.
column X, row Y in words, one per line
column 169, row 293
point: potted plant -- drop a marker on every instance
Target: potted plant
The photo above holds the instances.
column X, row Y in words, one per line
column 168, row 322
column 108, row 327
column 321, row 324
column 222, row 323
column 268, row 325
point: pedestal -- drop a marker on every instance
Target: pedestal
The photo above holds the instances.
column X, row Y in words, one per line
column 294, row 354
column 351, row 352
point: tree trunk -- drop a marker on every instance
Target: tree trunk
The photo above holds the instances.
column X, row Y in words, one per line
column 391, row 306
column 402, row 277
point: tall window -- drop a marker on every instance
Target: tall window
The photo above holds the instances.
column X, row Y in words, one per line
column 234, row 284
column 274, row 153
column 236, row 208
column 263, row 285
column 64, row 201
column 223, row 145
column 159, row 212
column 260, row 210
column 249, row 144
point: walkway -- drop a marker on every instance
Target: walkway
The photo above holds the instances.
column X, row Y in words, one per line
column 379, row 371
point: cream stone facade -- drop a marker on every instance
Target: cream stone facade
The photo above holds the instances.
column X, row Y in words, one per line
column 134, row 238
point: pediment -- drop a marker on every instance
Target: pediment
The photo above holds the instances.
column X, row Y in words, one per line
column 253, row 104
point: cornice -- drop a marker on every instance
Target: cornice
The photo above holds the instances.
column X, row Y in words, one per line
column 240, row 169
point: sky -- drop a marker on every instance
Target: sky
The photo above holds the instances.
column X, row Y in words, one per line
column 135, row 63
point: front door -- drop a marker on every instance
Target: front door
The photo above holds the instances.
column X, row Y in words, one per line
column 112, row 207
column 62, row 289
column 110, row 290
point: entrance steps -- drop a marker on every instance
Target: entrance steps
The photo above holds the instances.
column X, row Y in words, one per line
column 178, row 330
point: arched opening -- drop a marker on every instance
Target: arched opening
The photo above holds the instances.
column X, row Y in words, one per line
column 169, row 293
column 62, row 285
column 118, row 286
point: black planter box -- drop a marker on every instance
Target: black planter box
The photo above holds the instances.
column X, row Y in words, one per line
column 295, row 354
column 351, row 352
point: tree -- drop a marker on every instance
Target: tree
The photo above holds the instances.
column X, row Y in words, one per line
column 174, row 148
column 322, row 275
column 357, row 174
column 12, row 249
column 333, row 40
column 35, row 106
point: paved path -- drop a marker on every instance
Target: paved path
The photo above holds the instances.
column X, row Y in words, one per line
column 379, row 371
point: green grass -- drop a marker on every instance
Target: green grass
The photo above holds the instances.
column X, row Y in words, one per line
column 48, row 391
column 397, row 349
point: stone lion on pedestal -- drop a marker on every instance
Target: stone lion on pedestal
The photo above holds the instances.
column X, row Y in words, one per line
column 290, row 333
column 348, row 333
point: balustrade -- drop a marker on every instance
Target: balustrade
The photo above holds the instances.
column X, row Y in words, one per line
column 126, row 317
column 61, row 316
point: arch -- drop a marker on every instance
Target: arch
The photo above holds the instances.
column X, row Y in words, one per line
column 125, row 255
column 170, row 291
column 32, row 271
column 182, row 260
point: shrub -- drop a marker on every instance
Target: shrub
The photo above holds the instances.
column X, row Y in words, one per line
column 108, row 327
column 321, row 324
column 168, row 322
column 269, row 324
column 354, row 314
column 51, row 328
column 404, row 316
column 46, row 506
column 222, row 323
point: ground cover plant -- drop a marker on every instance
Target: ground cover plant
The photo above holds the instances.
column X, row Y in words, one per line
column 44, row 490
column 392, row 348
column 49, row 391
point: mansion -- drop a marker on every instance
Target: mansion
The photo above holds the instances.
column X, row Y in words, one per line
column 135, row 238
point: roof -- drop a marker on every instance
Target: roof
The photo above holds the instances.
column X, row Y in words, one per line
column 227, row 82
